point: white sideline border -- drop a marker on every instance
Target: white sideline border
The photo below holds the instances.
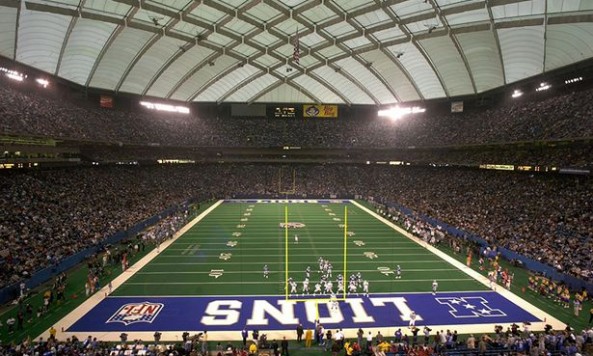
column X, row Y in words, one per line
column 96, row 298
column 535, row 311
column 175, row 336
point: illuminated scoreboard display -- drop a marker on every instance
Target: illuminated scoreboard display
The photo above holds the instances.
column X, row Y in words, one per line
column 285, row 111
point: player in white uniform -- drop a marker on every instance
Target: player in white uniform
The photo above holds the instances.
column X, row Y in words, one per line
column 306, row 287
column 266, row 271
column 317, row 288
column 334, row 302
column 340, row 286
column 365, row 287
column 296, row 239
column 435, row 285
column 398, row 272
column 352, row 288
column 412, row 320
column 329, row 287
column 293, row 287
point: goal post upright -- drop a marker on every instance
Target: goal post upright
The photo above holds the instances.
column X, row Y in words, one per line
column 345, row 249
column 286, row 250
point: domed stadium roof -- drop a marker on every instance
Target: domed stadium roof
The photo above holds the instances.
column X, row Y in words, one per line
column 347, row 51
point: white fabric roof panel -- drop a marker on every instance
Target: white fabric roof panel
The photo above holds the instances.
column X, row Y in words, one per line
column 217, row 89
column 519, row 9
column 283, row 92
column 343, row 85
column 322, row 93
column 84, row 46
column 483, row 57
column 522, row 52
column 40, row 39
column 118, row 56
column 422, row 74
column 181, row 67
column 7, row 31
column 161, row 48
column 148, row 65
column 568, row 43
column 236, row 76
column 393, row 75
column 188, row 89
column 253, row 86
column 365, row 77
column 449, row 65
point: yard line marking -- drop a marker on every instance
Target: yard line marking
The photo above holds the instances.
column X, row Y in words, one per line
column 275, row 249
column 272, row 272
column 279, row 283
column 370, row 255
column 213, row 262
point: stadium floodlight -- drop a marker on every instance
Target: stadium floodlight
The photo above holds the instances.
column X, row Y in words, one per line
column 543, row 86
column 517, row 93
column 165, row 107
column 573, row 80
column 396, row 112
column 42, row 82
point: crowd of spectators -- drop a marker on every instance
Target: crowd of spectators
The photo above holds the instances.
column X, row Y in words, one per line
column 426, row 342
column 51, row 214
column 559, row 117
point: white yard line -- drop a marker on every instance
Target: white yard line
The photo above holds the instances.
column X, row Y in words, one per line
column 96, row 298
column 547, row 318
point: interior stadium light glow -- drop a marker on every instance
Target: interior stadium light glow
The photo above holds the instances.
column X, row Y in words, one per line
column 15, row 76
column 165, row 107
column 543, row 86
column 42, row 82
column 397, row 112
column 517, row 93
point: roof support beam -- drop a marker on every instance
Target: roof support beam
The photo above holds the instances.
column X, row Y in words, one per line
column 16, row 31
column 330, row 87
column 497, row 40
column 73, row 22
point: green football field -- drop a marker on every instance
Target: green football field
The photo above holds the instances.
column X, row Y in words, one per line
column 225, row 253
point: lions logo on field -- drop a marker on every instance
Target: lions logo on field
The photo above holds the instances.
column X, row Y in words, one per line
column 131, row 313
column 292, row 225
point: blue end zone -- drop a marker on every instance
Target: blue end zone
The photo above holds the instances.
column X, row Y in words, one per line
column 274, row 313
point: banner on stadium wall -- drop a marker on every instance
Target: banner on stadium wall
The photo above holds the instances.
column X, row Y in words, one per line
column 323, row 111
column 106, row 101
column 457, row 106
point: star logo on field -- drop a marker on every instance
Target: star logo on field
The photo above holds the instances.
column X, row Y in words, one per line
column 455, row 301
column 469, row 306
column 485, row 311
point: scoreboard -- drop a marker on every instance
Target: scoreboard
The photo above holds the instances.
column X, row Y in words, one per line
column 289, row 112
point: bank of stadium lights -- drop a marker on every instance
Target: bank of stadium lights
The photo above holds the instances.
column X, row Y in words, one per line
column 573, row 80
column 397, row 112
column 165, row 107
column 44, row 83
column 517, row 93
column 12, row 74
column 543, row 86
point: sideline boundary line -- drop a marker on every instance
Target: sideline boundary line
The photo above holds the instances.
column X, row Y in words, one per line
column 547, row 318
column 93, row 300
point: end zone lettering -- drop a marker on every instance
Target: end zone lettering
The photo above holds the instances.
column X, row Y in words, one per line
column 233, row 313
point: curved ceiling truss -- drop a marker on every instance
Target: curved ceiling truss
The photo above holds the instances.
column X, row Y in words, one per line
column 356, row 52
